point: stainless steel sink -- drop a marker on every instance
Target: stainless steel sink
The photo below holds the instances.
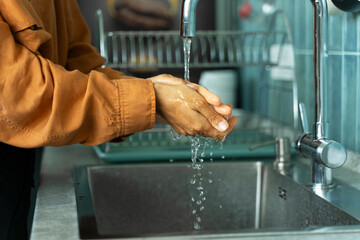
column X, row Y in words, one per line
column 120, row 201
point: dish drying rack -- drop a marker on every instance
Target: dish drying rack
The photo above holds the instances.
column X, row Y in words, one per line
column 161, row 143
column 146, row 50
column 164, row 49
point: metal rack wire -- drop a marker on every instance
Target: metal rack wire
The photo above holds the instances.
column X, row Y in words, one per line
column 161, row 143
column 164, row 49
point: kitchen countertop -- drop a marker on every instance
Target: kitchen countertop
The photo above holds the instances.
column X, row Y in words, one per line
column 55, row 212
column 56, row 216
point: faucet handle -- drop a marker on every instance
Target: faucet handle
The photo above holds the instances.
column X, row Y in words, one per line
column 327, row 152
column 303, row 118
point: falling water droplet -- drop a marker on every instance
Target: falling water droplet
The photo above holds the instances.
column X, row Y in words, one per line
column 176, row 136
column 196, row 226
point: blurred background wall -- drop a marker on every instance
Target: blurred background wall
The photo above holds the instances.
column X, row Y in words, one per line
column 205, row 16
column 344, row 64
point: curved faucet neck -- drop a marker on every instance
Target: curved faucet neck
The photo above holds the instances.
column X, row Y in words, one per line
column 320, row 66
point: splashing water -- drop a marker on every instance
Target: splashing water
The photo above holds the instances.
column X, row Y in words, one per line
column 197, row 158
column 199, row 146
column 176, row 136
column 197, row 182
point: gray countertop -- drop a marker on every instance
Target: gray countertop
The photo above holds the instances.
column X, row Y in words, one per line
column 55, row 213
column 56, row 216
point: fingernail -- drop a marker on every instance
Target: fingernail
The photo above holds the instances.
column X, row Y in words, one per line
column 223, row 125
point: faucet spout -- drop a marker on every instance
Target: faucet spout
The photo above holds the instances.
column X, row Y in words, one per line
column 188, row 18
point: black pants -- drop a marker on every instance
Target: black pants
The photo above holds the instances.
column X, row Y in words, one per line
column 16, row 185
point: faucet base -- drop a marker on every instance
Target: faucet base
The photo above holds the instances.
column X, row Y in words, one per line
column 284, row 168
column 319, row 186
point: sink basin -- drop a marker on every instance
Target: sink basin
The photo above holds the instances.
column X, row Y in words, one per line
column 118, row 201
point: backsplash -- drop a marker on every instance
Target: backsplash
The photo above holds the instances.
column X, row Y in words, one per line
column 344, row 67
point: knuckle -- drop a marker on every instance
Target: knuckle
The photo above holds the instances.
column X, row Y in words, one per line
column 213, row 118
column 199, row 103
column 198, row 126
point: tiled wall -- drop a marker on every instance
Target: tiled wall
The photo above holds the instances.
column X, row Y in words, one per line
column 344, row 68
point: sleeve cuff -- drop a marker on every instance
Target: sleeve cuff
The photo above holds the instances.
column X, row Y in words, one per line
column 137, row 106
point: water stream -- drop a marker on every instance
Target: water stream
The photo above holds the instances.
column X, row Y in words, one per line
column 200, row 178
column 197, row 195
column 187, row 56
column 198, row 192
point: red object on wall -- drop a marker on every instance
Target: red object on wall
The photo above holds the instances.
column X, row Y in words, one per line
column 245, row 10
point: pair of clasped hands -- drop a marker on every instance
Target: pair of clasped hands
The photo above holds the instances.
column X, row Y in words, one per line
column 188, row 108
column 191, row 109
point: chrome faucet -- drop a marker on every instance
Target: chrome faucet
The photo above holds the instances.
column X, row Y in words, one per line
column 325, row 154
column 188, row 18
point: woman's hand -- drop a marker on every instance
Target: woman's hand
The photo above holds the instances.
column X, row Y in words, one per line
column 143, row 14
column 210, row 97
column 189, row 113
